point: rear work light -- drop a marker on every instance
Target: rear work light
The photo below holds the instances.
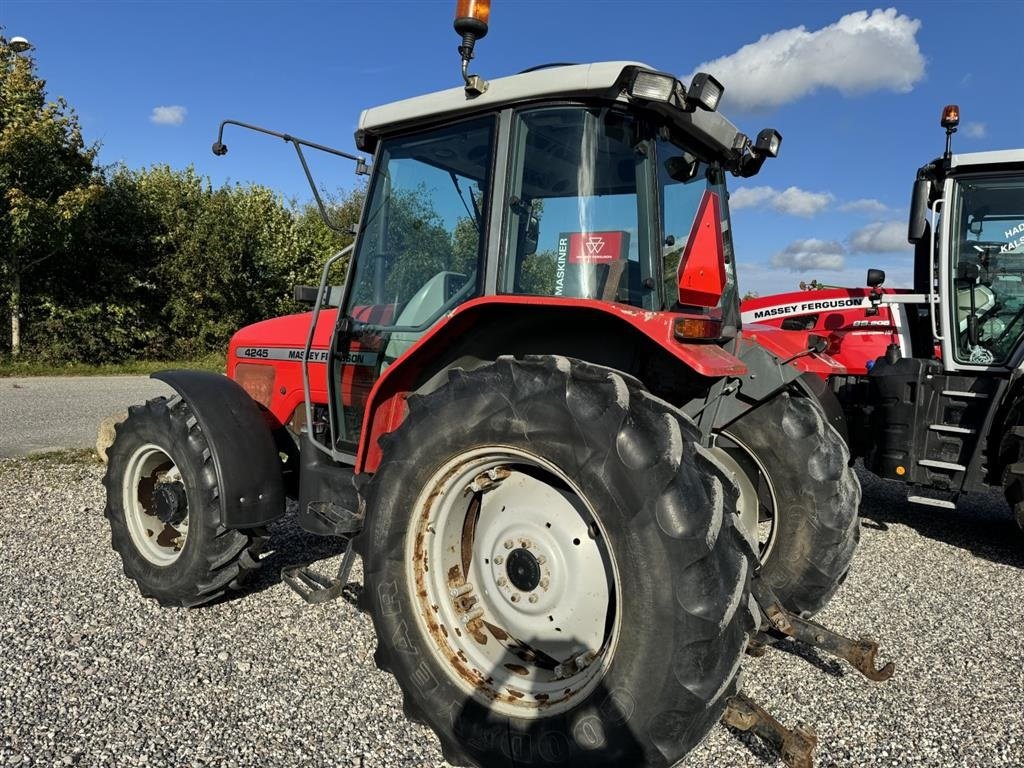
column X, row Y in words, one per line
column 705, row 92
column 258, row 380
column 652, row 86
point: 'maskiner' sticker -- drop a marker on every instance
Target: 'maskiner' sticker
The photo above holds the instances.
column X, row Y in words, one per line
column 595, row 247
column 296, row 354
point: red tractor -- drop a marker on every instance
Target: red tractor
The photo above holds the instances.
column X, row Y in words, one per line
column 930, row 376
column 578, row 488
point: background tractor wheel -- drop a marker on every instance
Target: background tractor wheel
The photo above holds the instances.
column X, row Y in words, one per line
column 798, row 495
column 1011, row 455
column 553, row 571
column 162, row 504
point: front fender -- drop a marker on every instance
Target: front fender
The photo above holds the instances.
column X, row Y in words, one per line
column 242, row 448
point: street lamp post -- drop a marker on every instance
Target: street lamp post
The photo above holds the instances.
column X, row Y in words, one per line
column 19, row 44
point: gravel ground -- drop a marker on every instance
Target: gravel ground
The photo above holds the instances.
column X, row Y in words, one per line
column 92, row 674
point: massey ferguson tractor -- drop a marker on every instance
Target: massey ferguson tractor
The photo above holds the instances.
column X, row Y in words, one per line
column 930, row 378
column 578, row 488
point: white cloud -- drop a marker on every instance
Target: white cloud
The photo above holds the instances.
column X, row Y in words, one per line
column 861, row 52
column 976, row 130
column 880, row 237
column 170, row 115
column 864, row 205
column 793, row 200
column 810, row 254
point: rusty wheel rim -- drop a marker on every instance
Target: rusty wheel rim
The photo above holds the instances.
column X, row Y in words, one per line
column 160, row 542
column 514, row 581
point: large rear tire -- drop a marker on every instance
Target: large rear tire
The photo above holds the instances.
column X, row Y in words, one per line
column 163, row 507
column 1011, row 455
column 798, row 495
column 553, row 571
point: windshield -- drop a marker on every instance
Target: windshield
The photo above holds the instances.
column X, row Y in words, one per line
column 987, row 252
column 580, row 207
column 419, row 245
column 601, row 209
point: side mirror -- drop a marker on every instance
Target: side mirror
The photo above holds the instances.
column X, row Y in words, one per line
column 875, row 277
column 306, row 294
column 918, row 211
column 532, row 236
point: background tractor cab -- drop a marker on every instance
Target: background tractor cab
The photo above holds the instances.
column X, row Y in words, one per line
column 932, row 374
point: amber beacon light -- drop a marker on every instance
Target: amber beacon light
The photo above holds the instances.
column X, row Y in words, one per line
column 471, row 18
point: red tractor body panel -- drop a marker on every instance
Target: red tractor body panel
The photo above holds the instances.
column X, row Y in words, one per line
column 855, row 338
column 279, row 343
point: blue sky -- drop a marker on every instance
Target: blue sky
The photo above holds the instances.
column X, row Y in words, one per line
column 856, row 93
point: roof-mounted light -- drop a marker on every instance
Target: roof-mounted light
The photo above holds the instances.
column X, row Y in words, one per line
column 471, row 19
column 705, row 92
column 768, row 142
column 950, row 120
column 950, row 116
column 652, row 86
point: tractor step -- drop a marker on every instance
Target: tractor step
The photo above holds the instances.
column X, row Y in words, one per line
column 795, row 746
column 334, row 519
column 315, row 587
column 860, row 653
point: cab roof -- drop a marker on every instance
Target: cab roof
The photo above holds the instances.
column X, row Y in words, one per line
column 599, row 79
column 606, row 80
column 996, row 157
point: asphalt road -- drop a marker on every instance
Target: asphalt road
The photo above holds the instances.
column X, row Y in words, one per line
column 48, row 413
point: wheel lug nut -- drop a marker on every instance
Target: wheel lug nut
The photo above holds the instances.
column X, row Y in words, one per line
column 509, row 544
column 541, row 559
column 533, row 598
column 498, row 559
column 502, row 581
column 514, row 598
column 544, row 583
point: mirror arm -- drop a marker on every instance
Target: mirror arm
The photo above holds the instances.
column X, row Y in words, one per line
column 362, row 168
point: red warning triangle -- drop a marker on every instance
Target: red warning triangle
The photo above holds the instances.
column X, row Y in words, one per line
column 701, row 273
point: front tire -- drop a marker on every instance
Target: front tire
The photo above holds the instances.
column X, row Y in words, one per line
column 798, row 497
column 566, row 482
column 163, row 507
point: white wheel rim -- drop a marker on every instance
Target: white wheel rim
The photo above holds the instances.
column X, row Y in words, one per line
column 540, row 573
column 159, row 542
column 762, row 533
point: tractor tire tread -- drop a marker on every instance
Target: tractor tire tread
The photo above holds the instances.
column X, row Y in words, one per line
column 666, row 468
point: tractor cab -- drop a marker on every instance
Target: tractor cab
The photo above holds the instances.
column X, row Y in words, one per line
column 969, row 256
column 601, row 182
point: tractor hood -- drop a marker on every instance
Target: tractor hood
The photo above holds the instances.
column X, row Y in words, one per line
column 280, row 338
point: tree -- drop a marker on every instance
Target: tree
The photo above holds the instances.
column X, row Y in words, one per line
column 47, row 178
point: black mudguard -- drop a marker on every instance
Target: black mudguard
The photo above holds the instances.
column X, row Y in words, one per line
column 241, row 443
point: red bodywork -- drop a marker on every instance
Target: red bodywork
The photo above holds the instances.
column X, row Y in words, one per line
column 279, row 343
column 855, row 338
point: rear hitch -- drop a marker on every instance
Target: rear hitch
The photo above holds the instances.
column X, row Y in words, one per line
column 795, row 746
column 861, row 654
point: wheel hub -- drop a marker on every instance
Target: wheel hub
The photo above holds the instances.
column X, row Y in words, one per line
column 514, row 581
column 170, row 503
column 523, row 570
